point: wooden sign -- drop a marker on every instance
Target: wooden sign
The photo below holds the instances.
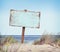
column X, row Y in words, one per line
column 24, row 18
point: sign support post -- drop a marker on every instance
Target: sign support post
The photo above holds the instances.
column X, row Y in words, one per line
column 23, row 31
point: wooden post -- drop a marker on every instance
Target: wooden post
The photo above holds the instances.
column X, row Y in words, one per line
column 23, row 31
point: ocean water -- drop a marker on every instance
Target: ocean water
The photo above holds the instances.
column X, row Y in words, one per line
column 27, row 38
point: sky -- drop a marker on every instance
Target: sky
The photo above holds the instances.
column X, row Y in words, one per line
column 49, row 19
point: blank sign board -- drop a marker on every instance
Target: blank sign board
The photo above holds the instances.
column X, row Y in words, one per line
column 24, row 18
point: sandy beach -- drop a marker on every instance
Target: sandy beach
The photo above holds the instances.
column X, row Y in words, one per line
column 30, row 48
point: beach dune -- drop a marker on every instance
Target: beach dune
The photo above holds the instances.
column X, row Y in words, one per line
column 32, row 48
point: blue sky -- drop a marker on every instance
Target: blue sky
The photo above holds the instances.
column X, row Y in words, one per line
column 49, row 20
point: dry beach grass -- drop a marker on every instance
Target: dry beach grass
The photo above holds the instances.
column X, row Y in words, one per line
column 31, row 48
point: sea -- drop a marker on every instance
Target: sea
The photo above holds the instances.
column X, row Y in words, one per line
column 27, row 38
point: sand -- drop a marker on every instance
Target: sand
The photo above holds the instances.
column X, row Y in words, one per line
column 30, row 48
